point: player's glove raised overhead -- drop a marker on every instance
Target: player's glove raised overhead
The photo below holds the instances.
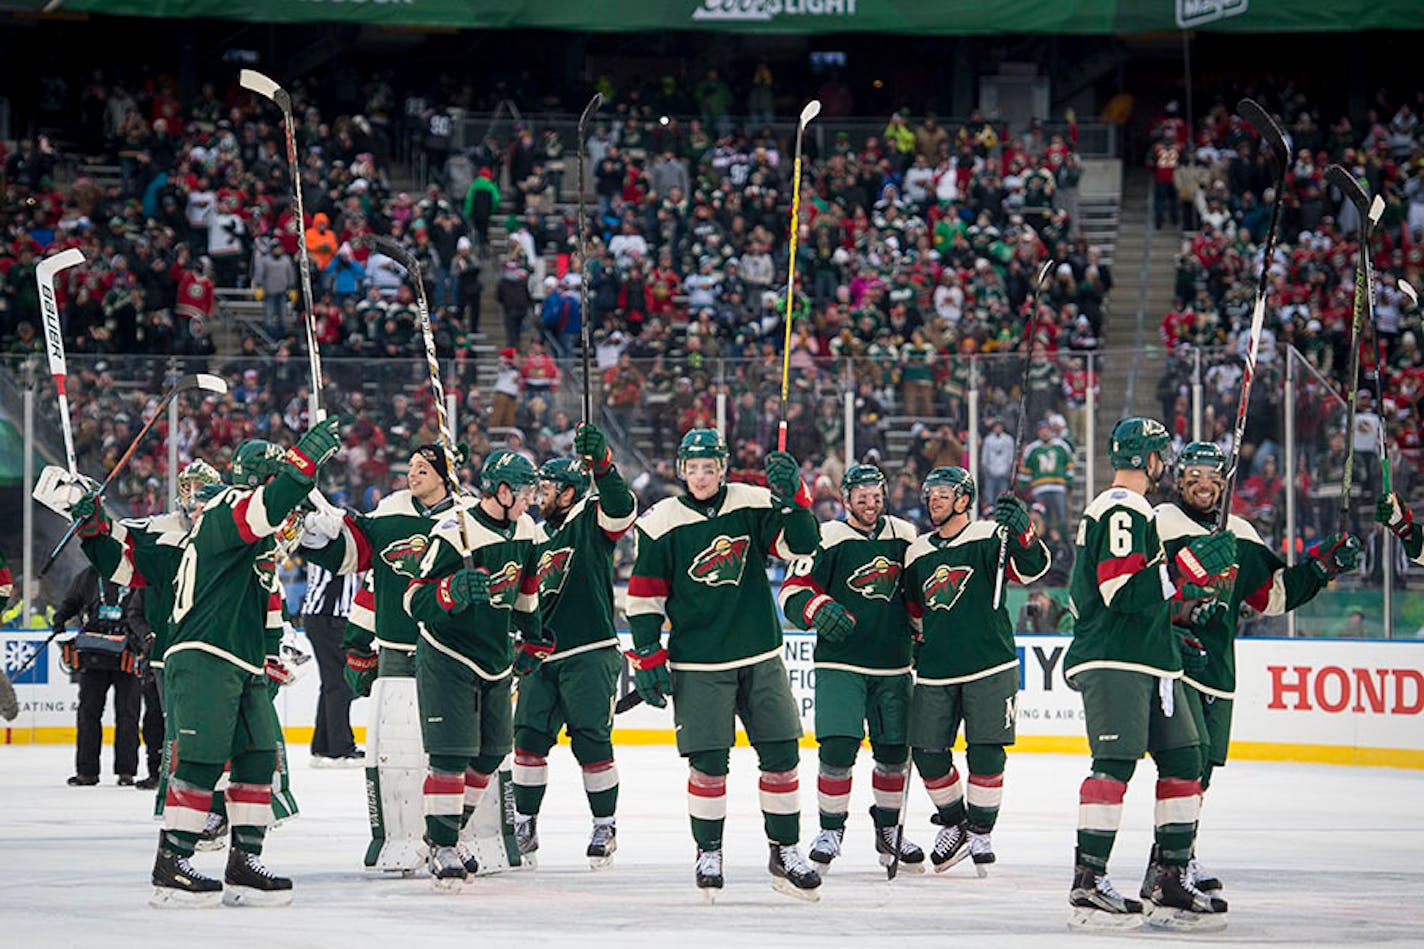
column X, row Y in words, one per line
column 360, row 671
column 650, row 674
column 1012, row 514
column 530, row 655
column 1207, row 556
column 833, row 622
column 783, row 476
column 314, row 449
column 1335, row 555
column 590, row 443
column 1392, row 512
column 89, row 512
column 462, row 589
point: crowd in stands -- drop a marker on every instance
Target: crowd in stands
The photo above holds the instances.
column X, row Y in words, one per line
column 1222, row 197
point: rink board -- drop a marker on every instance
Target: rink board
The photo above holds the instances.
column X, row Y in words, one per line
column 1331, row 701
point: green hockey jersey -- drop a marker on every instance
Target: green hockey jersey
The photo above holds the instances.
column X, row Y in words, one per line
column 227, row 600
column 480, row 636
column 949, row 591
column 144, row 552
column 702, row 567
column 1263, row 582
column 1046, row 464
column 575, row 573
column 390, row 542
column 1119, row 592
column 862, row 573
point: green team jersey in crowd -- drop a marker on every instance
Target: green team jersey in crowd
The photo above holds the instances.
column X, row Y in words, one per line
column 390, row 542
column 702, row 566
column 1119, row 592
column 228, row 602
column 575, row 570
column 1263, row 582
column 860, row 571
column 949, row 590
column 480, row 635
column 1046, row 463
column 144, row 552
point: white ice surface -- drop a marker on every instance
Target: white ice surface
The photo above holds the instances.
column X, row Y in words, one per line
column 1310, row 855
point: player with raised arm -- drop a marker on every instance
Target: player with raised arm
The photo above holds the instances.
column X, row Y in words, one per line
column 966, row 668
column 701, row 567
column 478, row 584
column 217, row 667
column 1125, row 661
column 1206, row 618
column 849, row 592
column 576, row 686
column 1394, row 513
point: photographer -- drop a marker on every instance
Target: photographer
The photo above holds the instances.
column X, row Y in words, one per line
column 1041, row 614
column 105, row 654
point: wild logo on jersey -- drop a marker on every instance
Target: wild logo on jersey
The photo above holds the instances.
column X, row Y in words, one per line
column 554, row 570
column 721, row 562
column 404, row 555
column 265, row 566
column 944, row 587
column 504, row 586
column 876, row 580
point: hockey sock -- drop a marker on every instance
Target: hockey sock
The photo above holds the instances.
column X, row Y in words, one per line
column 707, row 797
column 600, row 773
column 833, row 780
column 531, row 779
column 444, row 799
column 780, row 786
column 185, row 809
column 249, row 799
column 888, row 782
column 1178, row 803
column 942, row 782
column 1100, row 810
column 475, row 784
column 986, row 785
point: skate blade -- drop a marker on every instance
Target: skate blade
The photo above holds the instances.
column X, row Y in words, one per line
column 952, row 861
column 208, row 845
column 167, row 897
column 600, row 863
column 447, row 884
column 787, row 888
column 1088, row 919
column 710, row 894
column 248, row 896
column 1185, row 921
column 981, row 867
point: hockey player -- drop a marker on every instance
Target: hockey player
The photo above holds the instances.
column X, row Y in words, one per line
column 390, row 542
column 1205, row 619
column 1391, row 511
column 576, row 685
column 1124, row 660
column 478, row 583
column 849, row 592
column 216, row 667
column 701, row 566
column 967, row 668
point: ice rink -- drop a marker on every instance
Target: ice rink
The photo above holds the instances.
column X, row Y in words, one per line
column 1310, row 854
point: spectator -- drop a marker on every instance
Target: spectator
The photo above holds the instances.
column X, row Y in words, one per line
column 274, row 280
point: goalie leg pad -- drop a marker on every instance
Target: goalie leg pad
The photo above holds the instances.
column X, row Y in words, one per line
column 489, row 833
column 395, row 785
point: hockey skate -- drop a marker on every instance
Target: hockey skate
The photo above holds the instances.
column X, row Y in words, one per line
column 1179, row 906
column 447, row 868
column 1201, row 879
column 214, row 835
column 981, row 851
column 526, row 838
column 602, row 844
column 472, row 865
column 1096, row 905
column 177, row 885
column 825, row 848
column 249, row 883
column 709, row 874
column 792, row 874
column 950, row 847
column 912, row 858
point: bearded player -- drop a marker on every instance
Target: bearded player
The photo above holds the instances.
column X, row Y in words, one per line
column 575, row 687
column 967, row 667
column 1205, row 620
column 701, row 567
column 849, row 592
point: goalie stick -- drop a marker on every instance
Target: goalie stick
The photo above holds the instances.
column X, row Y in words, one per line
column 45, row 272
column 196, row 381
column 588, row 110
column 1272, row 136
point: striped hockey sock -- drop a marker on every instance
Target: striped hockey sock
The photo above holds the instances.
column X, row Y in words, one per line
column 707, row 807
column 600, row 783
column 475, row 784
column 185, row 813
column 531, row 779
column 833, row 796
column 444, row 800
column 1175, row 818
column 781, row 806
column 947, row 795
column 888, row 783
column 986, row 791
column 1099, row 816
column 249, row 811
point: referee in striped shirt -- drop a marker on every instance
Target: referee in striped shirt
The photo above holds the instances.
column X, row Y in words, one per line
column 324, row 610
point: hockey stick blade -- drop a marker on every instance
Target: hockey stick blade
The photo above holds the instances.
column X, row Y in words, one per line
column 54, row 264
column 204, row 381
column 1261, row 121
column 1376, row 211
column 264, row 86
column 593, row 106
column 1348, row 185
column 392, row 250
column 631, row 700
column 1407, row 289
column 809, row 111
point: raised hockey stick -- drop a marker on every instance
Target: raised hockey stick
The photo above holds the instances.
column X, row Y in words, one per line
column 1021, row 421
column 808, row 112
column 45, row 272
column 1354, row 192
column 265, row 87
column 1272, row 135
column 189, row 383
column 588, row 110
